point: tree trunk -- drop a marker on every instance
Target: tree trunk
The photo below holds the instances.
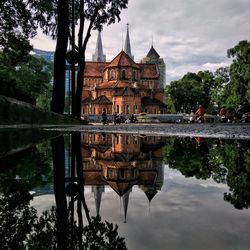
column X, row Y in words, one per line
column 57, row 103
column 57, row 145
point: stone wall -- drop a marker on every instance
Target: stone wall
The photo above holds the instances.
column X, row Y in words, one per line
column 13, row 111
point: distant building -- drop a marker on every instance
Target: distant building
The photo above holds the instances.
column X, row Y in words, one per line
column 122, row 85
column 47, row 55
column 154, row 58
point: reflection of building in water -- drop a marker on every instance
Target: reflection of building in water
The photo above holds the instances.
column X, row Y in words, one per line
column 122, row 161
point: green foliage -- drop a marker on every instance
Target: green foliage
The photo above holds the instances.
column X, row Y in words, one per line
column 239, row 86
column 31, row 77
column 34, row 76
column 17, row 26
column 102, row 236
column 169, row 101
column 221, row 79
column 190, row 91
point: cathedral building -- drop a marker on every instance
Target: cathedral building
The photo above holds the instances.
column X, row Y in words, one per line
column 122, row 85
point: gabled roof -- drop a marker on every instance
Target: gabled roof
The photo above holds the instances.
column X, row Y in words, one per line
column 120, row 84
column 86, row 100
column 126, row 92
column 94, row 69
column 121, row 187
column 101, row 100
column 150, row 194
column 122, row 59
column 152, row 53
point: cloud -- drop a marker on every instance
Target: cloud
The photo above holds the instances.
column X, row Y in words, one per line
column 189, row 35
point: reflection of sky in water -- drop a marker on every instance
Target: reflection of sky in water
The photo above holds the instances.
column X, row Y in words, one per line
column 186, row 214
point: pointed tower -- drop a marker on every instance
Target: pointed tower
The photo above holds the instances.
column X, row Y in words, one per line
column 125, row 199
column 127, row 48
column 99, row 56
column 154, row 58
column 98, row 190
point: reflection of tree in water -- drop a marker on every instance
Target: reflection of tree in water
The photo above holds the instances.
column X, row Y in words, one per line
column 189, row 158
column 21, row 228
column 226, row 162
column 235, row 156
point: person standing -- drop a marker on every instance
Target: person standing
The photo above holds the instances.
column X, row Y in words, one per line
column 104, row 117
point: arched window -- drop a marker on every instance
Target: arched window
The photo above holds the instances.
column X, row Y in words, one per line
column 135, row 109
column 117, row 109
column 127, row 109
column 112, row 76
column 134, row 75
column 83, row 111
column 94, row 111
column 122, row 173
column 123, row 74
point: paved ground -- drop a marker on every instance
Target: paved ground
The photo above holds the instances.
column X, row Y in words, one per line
column 213, row 130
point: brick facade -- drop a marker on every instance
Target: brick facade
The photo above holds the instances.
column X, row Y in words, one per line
column 120, row 86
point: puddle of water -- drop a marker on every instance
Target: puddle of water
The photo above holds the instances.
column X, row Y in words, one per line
column 162, row 192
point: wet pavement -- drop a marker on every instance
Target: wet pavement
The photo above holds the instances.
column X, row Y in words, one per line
column 212, row 130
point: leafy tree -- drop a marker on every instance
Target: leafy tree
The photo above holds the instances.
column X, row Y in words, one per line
column 191, row 90
column 207, row 81
column 221, row 79
column 20, row 20
column 16, row 27
column 31, row 78
column 169, row 101
column 186, row 93
column 19, row 23
column 238, row 90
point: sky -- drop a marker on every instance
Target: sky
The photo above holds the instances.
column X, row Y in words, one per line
column 189, row 35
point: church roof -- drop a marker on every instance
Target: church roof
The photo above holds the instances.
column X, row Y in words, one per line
column 122, row 59
column 101, row 100
column 94, row 69
column 121, row 187
column 152, row 53
column 86, row 100
column 151, row 194
column 126, row 92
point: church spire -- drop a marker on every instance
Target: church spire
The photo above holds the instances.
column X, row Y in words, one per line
column 127, row 48
column 99, row 56
column 125, row 199
column 98, row 190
